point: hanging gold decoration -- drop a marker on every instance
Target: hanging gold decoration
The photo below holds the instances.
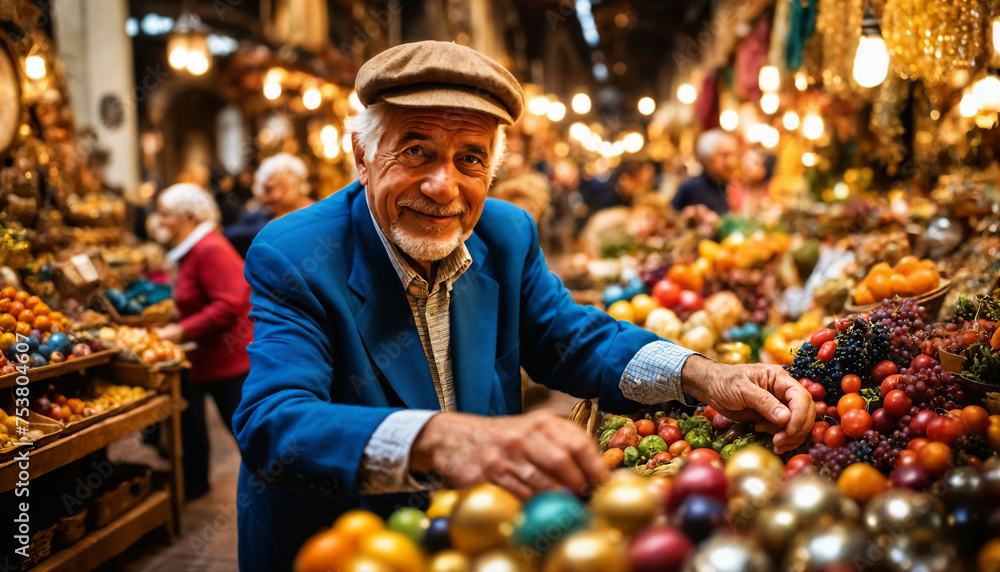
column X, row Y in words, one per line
column 932, row 40
column 887, row 123
column 838, row 23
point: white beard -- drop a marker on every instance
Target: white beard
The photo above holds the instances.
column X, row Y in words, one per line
column 425, row 249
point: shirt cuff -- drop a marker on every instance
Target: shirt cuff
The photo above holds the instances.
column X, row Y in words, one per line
column 653, row 375
column 385, row 460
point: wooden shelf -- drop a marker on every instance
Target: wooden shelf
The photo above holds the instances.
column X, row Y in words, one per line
column 56, row 369
column 99, row 435
column 101, row 545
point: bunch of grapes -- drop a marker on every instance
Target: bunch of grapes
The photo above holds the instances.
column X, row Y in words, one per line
column 901, row 318
column 887, row 450
column 833, row 461
column 942, row 337
column 930, row 386
column 863, row 449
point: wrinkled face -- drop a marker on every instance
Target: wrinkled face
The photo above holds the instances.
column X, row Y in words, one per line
column 427, row 183
column 175, row 226
column 722, row 165
column 281, row 193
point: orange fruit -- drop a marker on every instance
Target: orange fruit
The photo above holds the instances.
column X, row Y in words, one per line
column 57, row 327
column 7, row 340
column 23, row 328
column 8, row 292
column 32, row 301
column 5, row 304
column 21, row 296
column 327, row 550
column 922, row 281
column 907, row 264
column 55, row 316
column 42, row 323
column 41, row 309
column 687, row 277
column 879, row 286
column 357, row 524
column 862, row 482
column 26, row 316
column 880, row 269
column 7, row 322
column 16, row 308
column 863, row 296
column 900, row 284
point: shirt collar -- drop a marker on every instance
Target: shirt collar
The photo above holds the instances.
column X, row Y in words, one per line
column 450, row 268
column 185, row 246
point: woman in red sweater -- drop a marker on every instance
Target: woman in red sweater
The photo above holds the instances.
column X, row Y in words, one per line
column 213, row 303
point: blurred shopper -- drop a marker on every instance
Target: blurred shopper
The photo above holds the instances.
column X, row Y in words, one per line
column 213, row 302
column 718, row 153
column 282, row 184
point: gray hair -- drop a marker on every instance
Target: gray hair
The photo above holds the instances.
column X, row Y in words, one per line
column 191, row 200
column 371, row 122
column 708, row 143
column 281, row 163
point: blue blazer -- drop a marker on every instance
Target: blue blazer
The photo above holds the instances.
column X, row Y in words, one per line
column 336, row 351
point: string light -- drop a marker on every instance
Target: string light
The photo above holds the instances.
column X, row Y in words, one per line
column 808, row 159
column 790, row 120
column 556, row 111
column 538, row 105
column 769, row 103
column 312, row 98
column 769, row 79
column 579, row 131
column 328, row 135
column 812, row 126
column 968, row 106
column 34, row 67
column 729, row 120
column 801, row 81
column 197, row 62
column 687, row 94
column 633, row 142
column 272, row 90
column 987, row 93
column 581, row 103
column 871, row 62
column 647, row 106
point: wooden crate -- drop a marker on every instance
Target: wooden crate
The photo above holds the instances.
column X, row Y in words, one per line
column 134, row 483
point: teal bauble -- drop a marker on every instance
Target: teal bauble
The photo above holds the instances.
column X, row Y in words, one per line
column 547, row 518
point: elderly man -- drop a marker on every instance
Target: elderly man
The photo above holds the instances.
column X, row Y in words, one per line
column 282, row 183
column 392, row 318
column 718, row 153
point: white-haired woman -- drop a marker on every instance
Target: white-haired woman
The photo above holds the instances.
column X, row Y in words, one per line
column 282, row 183
column 213, row 303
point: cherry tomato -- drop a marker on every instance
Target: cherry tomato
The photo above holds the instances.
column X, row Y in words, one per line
column 977, row 418
column 709, row 412
column 796, row 464
column 888, row 384
column 919, row 422
column 822, row 336
column 827, row 351
column 907, row 457
column 935, row 457
column 850, row 401
column 865, row 317
column 883, row 369
column 805, row 382
column 645, row 427
column 855, row 422
column 820, row 409
column 680, row 448
column 667, row 293
column 945, row 430
column 670, row 434
column 881, row 421
column 834, row 437
column 703, row 455
column 917, row 444
column 923, row 361
column 897, row 403
column 850, row 383
column 833, row 413
column 818, row 431
column 665, row 420
column 817, row 391
column 842, row 324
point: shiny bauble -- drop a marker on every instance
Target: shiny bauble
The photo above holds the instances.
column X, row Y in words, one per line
column 443, row 503
column 774, row 527
column 701, row 479
column 989, row 556
column 967, row 525
column 960, row 485
column 483, row 519
column 749, row 493
column 897, row 512
column 438, row 537
column 729, row 554
column 393, row 549
column 941, row 237
column 626, row 503
column 753, row 459
column 362, row 563
column 817, row 501
column 837, row 547
column 906, row 555
column 660, row 549
column 700, row 516
column 590, row 551
column 326, row 550
column 991, row 478
column 499, row 561
column 59, row 342
column 449, row 561
column 411, row 522
column 546, row 518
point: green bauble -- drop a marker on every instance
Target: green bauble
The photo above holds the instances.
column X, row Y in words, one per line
column 410, row 522
column 548, row 518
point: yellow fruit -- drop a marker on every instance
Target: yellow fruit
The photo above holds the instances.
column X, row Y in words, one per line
column 642, row 305
column 622, row 310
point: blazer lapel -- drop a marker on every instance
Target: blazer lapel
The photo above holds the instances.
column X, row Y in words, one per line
column 385, row 320
column 474, row 309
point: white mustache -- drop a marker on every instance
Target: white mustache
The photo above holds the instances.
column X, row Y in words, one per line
column 429, row 207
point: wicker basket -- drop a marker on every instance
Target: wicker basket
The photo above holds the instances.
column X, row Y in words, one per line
column 133, row 485
column 69, row 529
column 931, row 301
column 586, row 415
column 39, row 548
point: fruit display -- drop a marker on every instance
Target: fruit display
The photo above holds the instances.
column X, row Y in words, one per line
column 139, row 296
column 14, row 430
column 74, row 402
column 782, row 344
column 141, row 345
column 910, row 277
column 752, row 513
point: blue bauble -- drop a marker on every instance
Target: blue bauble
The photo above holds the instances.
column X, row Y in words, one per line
column 750, row 331
column 634, row 287
column 38, row 361
column 700, row 516
column 45, row 350
column 32, row 342
column 548, row 518
column 613, row 293
column 59, row 342
column 437, row 539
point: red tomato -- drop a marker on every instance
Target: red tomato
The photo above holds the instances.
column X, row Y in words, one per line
column 907, row 457
column 842, row 324
column 855, row 422
column 822, row 336
column 850, row 401
column 833, row 413
column 917, row 444
column 945, row 430
column 670, row 434
column 865, row 317
column 818, row 430
column 645, row 427
column 667, row 293
column 703, row 455
column 919, row 422
column 820, row 409
column 805, row 382
column 667, row 421
column 935, row 457
column 977, row 418
column 826, row 351
column 883, row 369
column 680, row 448
column 888, row 384
column 923, row 361
column 850, row 383
column 709, row 412
column 797, row 463
column 897, row 403
column 817, row 391
column 834, row 437
column 691, row 301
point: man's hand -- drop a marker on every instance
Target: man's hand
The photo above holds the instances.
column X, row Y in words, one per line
column 524, row 454
column 764, row 394
column 171, row 333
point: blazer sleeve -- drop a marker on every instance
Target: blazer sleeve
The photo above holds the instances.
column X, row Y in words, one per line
column 287, row 415
column 576, row 349
column 219, row 272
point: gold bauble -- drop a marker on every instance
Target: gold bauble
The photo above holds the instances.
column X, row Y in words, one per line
column 362, row 563
column 774, row 527
column 449, row 561
column 753, row 459
column 625, row 503
column 482, row 519
column 593, row 551
column 817, row 501
column 499, row 561
column 749, row 493
column 443, row 503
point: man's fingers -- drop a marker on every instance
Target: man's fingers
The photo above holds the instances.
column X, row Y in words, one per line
column 558, row 465
column 800, row 402
column 534, row 477
column 512, row 484
column 767, row 405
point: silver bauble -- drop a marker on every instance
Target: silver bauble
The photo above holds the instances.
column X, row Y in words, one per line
column 904, row 513
column 728, row 553
column 941, row 237
column 817, row 501
column 904, row 555
column 750, row 493
column 838, row 547
column 961, row 484
column 991, row 478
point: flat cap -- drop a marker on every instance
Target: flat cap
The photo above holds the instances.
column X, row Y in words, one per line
column 440, row 74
